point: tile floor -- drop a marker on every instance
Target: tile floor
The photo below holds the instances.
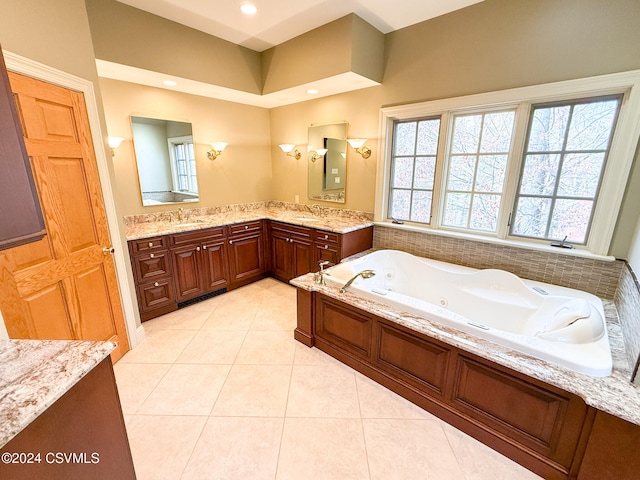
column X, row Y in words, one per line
column 221, row 390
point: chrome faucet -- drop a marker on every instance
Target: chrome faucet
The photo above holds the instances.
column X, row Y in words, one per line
column 363, row 274
column 314, row 209
column 319, row 276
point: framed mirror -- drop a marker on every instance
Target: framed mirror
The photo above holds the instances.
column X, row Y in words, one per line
column 166, row 160
column 327, row 161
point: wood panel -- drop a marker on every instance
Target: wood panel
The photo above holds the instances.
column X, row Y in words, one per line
column 187, row 273
column 344, row 327
column 152, row 265
column 71, row 257
column 246, row 257
column 157, row 294
column 216, row 265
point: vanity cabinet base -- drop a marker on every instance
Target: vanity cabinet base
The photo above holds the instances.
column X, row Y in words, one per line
column 541, row 427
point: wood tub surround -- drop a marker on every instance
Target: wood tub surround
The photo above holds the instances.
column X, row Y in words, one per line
column 547, row 429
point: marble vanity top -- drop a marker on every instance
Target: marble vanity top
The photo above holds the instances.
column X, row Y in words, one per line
column 323, row 218
column 36, row 373
column 614, row 394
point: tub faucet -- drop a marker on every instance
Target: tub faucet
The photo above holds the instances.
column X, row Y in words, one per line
column 363, row 274
column 319, row 276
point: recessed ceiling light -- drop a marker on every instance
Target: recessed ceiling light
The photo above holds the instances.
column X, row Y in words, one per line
column 248, row 9
column 312, row 91
column 170, row 83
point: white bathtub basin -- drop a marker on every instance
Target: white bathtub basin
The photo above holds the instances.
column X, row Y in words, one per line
column 553, row 323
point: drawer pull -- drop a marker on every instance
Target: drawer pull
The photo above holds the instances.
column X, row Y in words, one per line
column 230, row 242
column 204, row 247
column 326, row 237
column 326, row 247
column 246, row 227
column 198, row 249
column 151, row 244
column 156, row 284
column 151, row 255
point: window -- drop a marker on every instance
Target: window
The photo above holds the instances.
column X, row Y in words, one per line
column 563, row 163
column 530, row 165
column 413, row 169
column 183, row 161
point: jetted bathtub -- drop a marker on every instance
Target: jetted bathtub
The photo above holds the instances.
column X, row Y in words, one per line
column 556, row 324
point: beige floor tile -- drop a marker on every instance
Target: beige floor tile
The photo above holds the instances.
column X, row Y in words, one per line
column 136, row 381
column 161, row 445
column 160, row 346
column 409, row 449
column 183, row 319
column 312, row 356
column 254, row 390
column 213, row 347
column 377, row 401
column 482, row 463
column 241, row 448
column 327, row 391
column 322, row 449
column 208, row 305
column 278, row 318
column 267, row 348
column 232, row 316
column 186, row 389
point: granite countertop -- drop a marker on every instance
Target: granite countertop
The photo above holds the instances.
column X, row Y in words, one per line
column 614, row 394
column 329, row 219
column 36, row 373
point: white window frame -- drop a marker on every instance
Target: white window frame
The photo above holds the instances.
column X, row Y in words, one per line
column 620, row 160
column 172, row 142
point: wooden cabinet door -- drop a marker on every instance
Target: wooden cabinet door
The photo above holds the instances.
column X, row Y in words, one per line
column 216, row 265
column 246, row 257
column 281, row 256
column 327, row 252
column 187, row 271
column 63, row 286
column 302, row 252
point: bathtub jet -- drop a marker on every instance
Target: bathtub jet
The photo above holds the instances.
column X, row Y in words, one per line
column 556, row 324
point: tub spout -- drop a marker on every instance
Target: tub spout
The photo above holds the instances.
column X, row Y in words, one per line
column 363, row 274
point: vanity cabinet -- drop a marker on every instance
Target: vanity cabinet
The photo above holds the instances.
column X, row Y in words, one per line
column 291, row 250
column 334, row 247
column 247, row 260
column 200, row 261
column 21, row 219
column 153, row 274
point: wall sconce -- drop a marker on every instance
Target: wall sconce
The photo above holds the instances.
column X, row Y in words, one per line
column 288, row 149
column 319, row 153
column 216, row 149
column 359, row 146
column 114, row 142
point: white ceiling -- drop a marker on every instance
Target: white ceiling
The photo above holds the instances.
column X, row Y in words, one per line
column 275, row 22
column 281, row 20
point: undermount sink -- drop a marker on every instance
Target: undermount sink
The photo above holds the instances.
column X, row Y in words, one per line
column 307, row 219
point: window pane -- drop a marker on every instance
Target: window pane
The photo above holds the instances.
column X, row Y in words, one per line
column 591, row 125
column 402, row 175
column 484, row 214
column 532, row 215
column 461, row 173
column 580, row 175
column 466, row 134
column 421, row 207
column 496, row 132
column 400, row 204
column 539, row 174
column 425, row 172
column 491, row 172
column 457, row 209
column 428, row 133
column 405, row 138
column 548, row 127
column 571, row 219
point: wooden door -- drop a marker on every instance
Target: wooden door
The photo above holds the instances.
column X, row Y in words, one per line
column 63, row 286
column 216, row 265
column 186, row 271
column 281, row 257
column 302, row 256
column 246, row 257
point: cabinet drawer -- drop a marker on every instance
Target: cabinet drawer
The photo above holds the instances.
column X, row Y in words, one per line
column 327, row 237
column 197, row 236
column 290, row 230
column 247, row 227
column 148, row 244
column 151, row 265
column 156, row 294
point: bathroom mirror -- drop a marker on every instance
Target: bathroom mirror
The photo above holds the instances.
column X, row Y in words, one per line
column 327, row 162
column 166, row 160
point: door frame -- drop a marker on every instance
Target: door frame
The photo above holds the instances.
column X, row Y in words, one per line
column 31, row 68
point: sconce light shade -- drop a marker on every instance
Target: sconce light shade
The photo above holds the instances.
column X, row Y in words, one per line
column 114, row 142
column 216, row 149
column 288, row 148
column 359, row 146
column 319, row 153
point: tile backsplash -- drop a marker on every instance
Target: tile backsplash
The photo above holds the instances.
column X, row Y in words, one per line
column 599, row 277
column 627, row 300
